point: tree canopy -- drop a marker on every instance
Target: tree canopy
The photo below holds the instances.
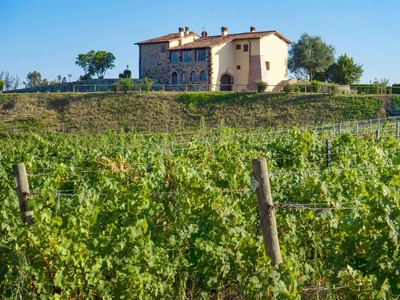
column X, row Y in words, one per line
column 127, row 74
column 95, row 63
column 33, row 79
column 344, row 71
column 310, row 55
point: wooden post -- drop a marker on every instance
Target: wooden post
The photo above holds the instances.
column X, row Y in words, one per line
column 397, row 130
column 266, row 209
column 21, row 183
column 377, row 134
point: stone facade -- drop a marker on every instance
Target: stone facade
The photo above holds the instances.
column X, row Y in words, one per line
column 157, row 66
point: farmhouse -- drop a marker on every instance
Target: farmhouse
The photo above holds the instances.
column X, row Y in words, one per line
column 225, row 62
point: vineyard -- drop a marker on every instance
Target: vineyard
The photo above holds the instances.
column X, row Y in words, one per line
column 165, row 216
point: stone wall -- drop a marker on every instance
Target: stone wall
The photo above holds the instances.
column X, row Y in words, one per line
column 156, row 65
column 94, row 85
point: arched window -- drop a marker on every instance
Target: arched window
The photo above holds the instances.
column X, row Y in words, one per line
column 184, row 77
column 174, row 78
column 203, row 76
column 193, row 76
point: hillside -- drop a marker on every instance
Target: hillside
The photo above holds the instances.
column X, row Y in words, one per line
column 158, row 111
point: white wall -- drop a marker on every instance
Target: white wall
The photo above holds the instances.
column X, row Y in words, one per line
column 275, row 51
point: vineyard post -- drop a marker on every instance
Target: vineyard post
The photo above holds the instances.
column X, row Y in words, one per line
column 333, row 130
column 357, row 128
column 377, row 134
column 261, row 186
column 328, row 153
column 21, row 183
column 397, row 130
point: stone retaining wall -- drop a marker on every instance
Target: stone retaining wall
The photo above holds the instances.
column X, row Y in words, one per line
column 94, row 85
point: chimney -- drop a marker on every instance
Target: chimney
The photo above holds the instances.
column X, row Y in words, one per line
column 204, row 32
column 181, row 33
column 224, row 31
column 252, row 29
column 186, row 30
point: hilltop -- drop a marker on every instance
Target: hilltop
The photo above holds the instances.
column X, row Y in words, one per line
column 160, row 111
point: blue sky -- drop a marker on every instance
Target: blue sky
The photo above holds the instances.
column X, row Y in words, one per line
column 47, row 36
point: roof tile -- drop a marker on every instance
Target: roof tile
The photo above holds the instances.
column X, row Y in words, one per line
column 211, row 41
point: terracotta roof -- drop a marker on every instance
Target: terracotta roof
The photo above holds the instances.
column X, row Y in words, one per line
column 164, row 38
column 211, row 41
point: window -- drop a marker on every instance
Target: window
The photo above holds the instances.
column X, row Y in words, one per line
column 184, row 77
column 238, row 47
column 163, row 49
column 193, row 76
column 246, row 48
column 174, row 78
column 187, row 55
column 203, row 76
column 267, row 66
column 201, row 55
column 238, row 67
column 174, row 56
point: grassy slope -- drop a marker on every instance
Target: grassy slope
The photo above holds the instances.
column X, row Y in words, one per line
column 173, row 111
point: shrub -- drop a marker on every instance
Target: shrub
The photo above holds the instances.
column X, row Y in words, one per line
column 126, row 84
column 1, row 85
column 395, row 102
column 146, row 84
column 316, row 86
column 334, row 90
column 367, row 88
column 261, row 86
column 115, row 87
column 288, row 88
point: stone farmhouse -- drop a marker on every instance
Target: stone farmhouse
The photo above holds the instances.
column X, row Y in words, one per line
column 225, row 62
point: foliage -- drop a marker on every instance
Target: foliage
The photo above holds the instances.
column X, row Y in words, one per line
column 115, row 87
column 384, row 82
column 261, row 86
column 126, row 84
column 96, row 62
column 290, row 88
column 146, row 84
column 310, row 55
column 33, row 79
column 85, row 77
column 344, row 71
column 1, row 85
column 333, row 89
column 131, row 216
column 316, row 85
column 127, row 74
column 367, row 88
column 395, row 102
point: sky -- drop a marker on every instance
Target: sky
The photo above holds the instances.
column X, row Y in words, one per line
column 47, row 35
